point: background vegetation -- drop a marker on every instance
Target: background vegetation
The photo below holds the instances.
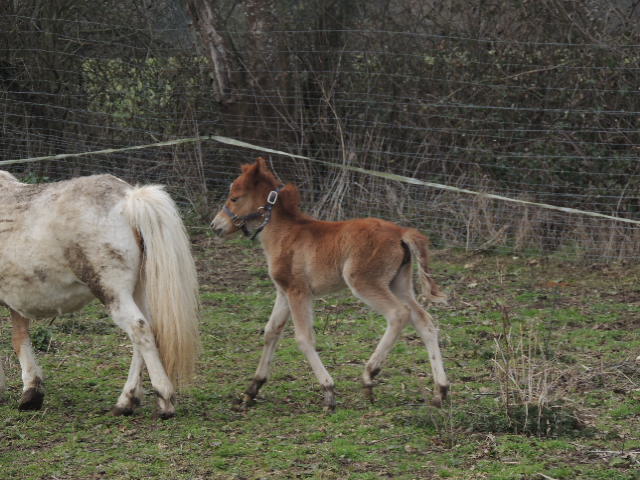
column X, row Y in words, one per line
column 536, row 100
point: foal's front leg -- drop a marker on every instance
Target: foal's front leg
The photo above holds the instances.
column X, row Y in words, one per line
column 272, row 333
column 300, row 304
column 33, row 387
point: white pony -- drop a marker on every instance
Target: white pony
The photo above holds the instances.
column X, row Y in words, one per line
column 64, row 243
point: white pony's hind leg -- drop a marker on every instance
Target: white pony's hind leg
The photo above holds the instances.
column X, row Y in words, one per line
column 33, row 387
column 132, row 393
column 130, row 318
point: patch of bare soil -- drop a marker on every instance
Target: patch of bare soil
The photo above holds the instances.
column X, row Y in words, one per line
column 225, row 264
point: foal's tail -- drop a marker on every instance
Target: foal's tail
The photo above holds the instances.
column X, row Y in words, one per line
column 419, row 247
column 168, row 276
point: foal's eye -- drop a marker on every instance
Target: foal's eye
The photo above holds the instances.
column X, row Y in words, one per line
column 234, row 199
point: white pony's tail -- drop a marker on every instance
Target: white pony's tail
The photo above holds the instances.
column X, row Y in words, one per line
column 168, row 276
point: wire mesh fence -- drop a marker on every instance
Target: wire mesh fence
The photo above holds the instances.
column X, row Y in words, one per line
column 548, row 121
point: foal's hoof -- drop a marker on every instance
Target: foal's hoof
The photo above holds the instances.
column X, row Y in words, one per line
column 255, row 387
column 31, row 399
column 444, row 391
column 236, row 405
column 368, row 393
column 440, row 396
column 329, row 402
column 242, row 404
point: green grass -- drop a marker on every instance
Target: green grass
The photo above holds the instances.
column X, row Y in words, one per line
column 584, row 319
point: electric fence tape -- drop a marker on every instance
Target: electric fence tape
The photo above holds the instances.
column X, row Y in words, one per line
column 389, row 176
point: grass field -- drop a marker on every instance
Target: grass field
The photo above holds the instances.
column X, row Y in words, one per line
column 541, row 354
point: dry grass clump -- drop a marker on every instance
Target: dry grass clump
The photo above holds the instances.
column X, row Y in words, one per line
column 531, row 385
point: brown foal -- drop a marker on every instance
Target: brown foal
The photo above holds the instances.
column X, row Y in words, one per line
column 309, row 258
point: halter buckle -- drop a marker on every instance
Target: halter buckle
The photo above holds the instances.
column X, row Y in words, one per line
column 272, row 198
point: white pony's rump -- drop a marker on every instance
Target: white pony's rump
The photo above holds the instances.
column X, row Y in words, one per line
column 65, row 243
column 7, row 176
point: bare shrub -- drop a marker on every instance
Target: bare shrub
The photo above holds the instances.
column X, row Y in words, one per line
column 528, row 380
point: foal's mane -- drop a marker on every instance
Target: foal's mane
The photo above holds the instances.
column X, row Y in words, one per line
column 288, row 198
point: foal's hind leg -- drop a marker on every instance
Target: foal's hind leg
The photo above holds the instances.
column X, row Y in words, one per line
column 33, row 388
column 402, row 286
column 423, row 323
column 272, row 333
column 378, row 296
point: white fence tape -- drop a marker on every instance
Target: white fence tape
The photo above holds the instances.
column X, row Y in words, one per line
column 389, row 176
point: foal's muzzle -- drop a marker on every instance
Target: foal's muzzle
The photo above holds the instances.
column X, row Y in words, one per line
column 220, row 225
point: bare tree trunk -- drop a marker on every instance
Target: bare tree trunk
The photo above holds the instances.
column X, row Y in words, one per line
column 267, row 67
column 261, row 21
column 205, row 22
column 245, row 86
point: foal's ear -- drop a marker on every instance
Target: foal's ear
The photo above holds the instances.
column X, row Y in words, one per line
column 251, row 173
column 261, row 165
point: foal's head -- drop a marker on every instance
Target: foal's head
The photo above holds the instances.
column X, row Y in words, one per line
column 248, row 195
